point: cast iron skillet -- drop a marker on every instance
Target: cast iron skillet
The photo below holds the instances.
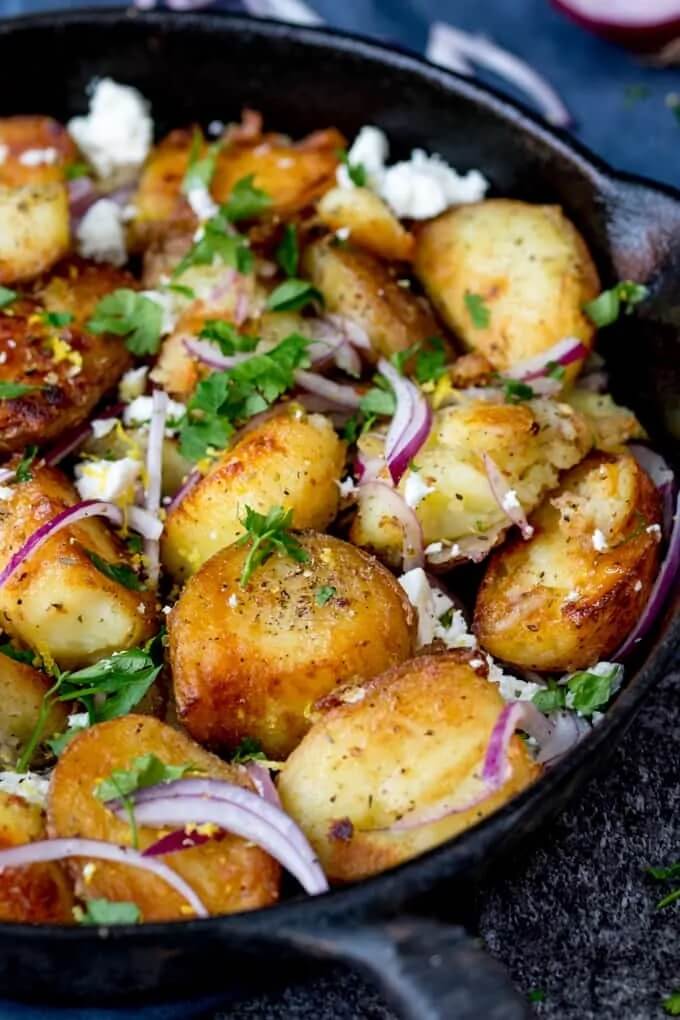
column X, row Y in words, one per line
column 203, row 67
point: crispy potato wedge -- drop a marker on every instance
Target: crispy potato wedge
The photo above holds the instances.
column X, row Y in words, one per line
column 228, row 874
column 356, row 284
column 557, row 602
column 371, row 223
column 530, row 443
column 76, row 286
column 527, row 263
column 34, row 229
column 57, row 602
column 35, row 151
column 407, row 740
column 263, row 654
column 40, row 893
column 290, row 460
column 159, row 204
column 22, row 690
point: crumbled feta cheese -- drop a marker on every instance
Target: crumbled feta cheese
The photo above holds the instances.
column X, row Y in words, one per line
column 510, row 501
column 415, row 489
column 431, row 604
column 89, row 871
column 215, row 127
column 78, row 719
column 166, row 302
column 347, row 487
column 6, row 492
column 108, row 479
column 4, row 153
column 100, row 233
column 39, row 157
column 476, row 663
column 511, row 688
column 433, row 547
column 654, row 529
column 425, row 186
column 117, row 133
column 599, row 541
column 370, row 149
column 133, row 383
column 352, row 695
column 29, row 785
column 343, row 233
column 233, row 601
column 202, row 203
column 3, row 357
column 139, row 410
column 102, row 426
column 573, row 596
column 141, row 608
column 637, row 586
column 166, row 610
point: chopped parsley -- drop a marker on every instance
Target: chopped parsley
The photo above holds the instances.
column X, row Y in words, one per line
column 556, row 370
column 249, row 749
column 57, row 319
column 478, row 310
column 103, row 911
column 11, row 390
column 292, row 296
column 288, row 252
column 584, row 692
column 268, row 533
column 121, row 573
column 131, row 315
column 18, row 654
column 75, row 170
column 377, row 402
column 431, row 362
column 145, row 770
column 246, row 202
column 218, row 241
column 23, row 471
column 58, row 744
column 671, row 1004
column 186, row 292
column 551, row 699
column 515, row 391
column 355, row 171
column 227, row 337
column 605, row 309
column 324, row 594
column 7, row 296
column 200, row 169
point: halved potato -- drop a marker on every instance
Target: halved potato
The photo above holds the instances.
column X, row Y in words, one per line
column 528, row 265
column 34, row 229
column 57, row 602
column 291, row 460
column 403, row 742
column 569, row 596
column 76, row 286
column 35, row 149
column 612, row 425
column 22, row 691
column 263, row 654
column 39, row 893
column 357, row 284
column 370, row 222
column 228, row 874
column 159, row 204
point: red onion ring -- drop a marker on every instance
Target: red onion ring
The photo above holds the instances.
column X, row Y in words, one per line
column 154, row 475
column 210, row 355
column 500, row 489
column 470, row 547
column 342, row 396
column 394, row 505
column 411, row 423
column 175, row 842
column 262, row 781
column 640, row 24
column 191, row 480
column 564, row 352
column 45, row 850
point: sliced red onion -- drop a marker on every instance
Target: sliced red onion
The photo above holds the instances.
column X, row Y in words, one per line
column 564, row 352
column 355, row 334
column 453, row 48
column 224, row 286
column 175, row 842
column 154, row 477
column 594, row 382
column 45, row 850
column 368, row 469
column 261, row 779
column 138, row 519
column 7, row 475
column 242, row 307
column 82, row 194
column 393, row 504
column 470, row 547
column 411, row 423
column 506, row 497
column 339, row 394
column 331, row 345
column 567, row 729
column 210, row 355
column 191, row 480
column 639, row 24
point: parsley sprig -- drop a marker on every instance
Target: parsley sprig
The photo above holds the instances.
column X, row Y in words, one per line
column 201, row 167
column 478, row 310
column 606, row 308
column 227, row 337
column 585, row 692
column 145, row 770
column 268, row 533
column 23, row 471
column 131, row 315
column 103, row 911
column 355, row 171
column 249, row 749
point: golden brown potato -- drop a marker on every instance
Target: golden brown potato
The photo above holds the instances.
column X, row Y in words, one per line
column 530, row 443
column 57, row 602
column 263, row 654
column 228, row 874
column 67, row 369
column 569, row 596
column 40, row 893
column 35, row 151
column 291, row 460
column 22, row 690
column 360, row 286
column 158, row 202
column 528, row 264
column 410, row 739
column 369, row 220
column 76, row 286
column 34, row 229
column 611, row 424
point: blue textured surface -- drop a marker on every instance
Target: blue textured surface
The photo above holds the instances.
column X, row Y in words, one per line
column 594, row 79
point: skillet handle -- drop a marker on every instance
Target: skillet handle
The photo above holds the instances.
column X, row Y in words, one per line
column 426, row 970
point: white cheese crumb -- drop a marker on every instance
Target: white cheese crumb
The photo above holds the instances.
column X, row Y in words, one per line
column 233, row 601
column 510, row 501
column 141, row 608
column 166, row 302
column 573, row 596
column 28, row 785
column 433, row 547
column 202, row 203
column 425, row 186
column 78, row 719
column 108, row 479
column 352, row 695
column 6, row 492
column 117, row 133
column 654, row 529
column 476, row 663
column 415, row 489
column 599, row 541
column 39, row 157
column 133, row 383
column 511, row 688
column 3, row 357
column 102, row 426
column 347, row 487
column 215, row 127
column 100, row 233
column 370, row 149
column 139, row 410
column 166, row 610
column 637, row 586
column 431, row 604
column 4, row 153
column 343, row 233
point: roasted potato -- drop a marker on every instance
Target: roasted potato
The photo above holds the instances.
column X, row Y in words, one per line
column 291, row 460
column 369, row 221
column 22, row 691
column 39, row 892
column 263, row 654
column 159, row 204
column 530, row 443
column 356, row 284
column 527, row 263
column 228, row 874
column 34, row 229
column 611, row 424
column 76, row 286
column 66, row 371
column 569, row 596
column 34, row 150
column 406, row 741
column 58, row 603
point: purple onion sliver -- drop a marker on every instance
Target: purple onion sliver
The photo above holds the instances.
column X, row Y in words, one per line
column 394, row 505
column 564, row 352
column 191, row 480
column 341, row 395
column 501, row 490
column 209, row 354
column 175, row 842
column 261, row 779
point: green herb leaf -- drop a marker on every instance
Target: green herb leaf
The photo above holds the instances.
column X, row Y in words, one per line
column 226, row 335
column 605, row 309
column 103, row 911
column 589, row 691
column 57, row 319
column 7, row 296
column 18, row 654
column 671, row 1004
column 292, row 296
column 131, row 315
column 431, row 362
column 179, row 288
column 200, row 169
column 146, row 770
column 672, row 897
column 11, row 390
column 325, row 594
column 246, row 202
column 75, row 170
column 551, row 699
column 399, row 358
column 123, row 677
column 663, row 874
column 218, row 242
column 268, row 533
column 288, row 253
column 516, row 391
column 58, row 744
column 556, row 370
column 352, row 428
column 23, row 471
column 377, row 401
column 249, row 749
column 121, row 573
column 477, row 309
column 356, row 171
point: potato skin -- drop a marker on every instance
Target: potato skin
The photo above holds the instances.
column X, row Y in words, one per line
column 23, row 133
column 290, row 460
column 57, row 602
column 371, row 223
column 40, row 893
column 415, row 738
column 528, row 263
column 253, row 668
column 34, row 229
column 76, row 286
column 22, row 689
column 357, row 284
column 228, row 874
column 523, row 613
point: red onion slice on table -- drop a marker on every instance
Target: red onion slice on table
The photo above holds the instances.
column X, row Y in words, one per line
column 506, row 497
column 154, row 476
column 392, row 504
column 60, row 849
column 564, row 353
column 411, row 422
column 638, row 24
